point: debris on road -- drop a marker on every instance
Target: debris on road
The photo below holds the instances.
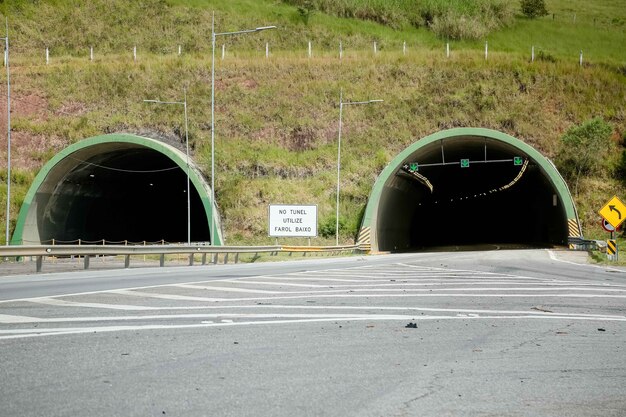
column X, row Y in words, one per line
column 411, row 326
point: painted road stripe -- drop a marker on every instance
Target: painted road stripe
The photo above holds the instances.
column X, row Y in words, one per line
column 225, row 289
column 66, row 303
column 29, row 333
column 425, row 284
column 312, row 296
column 7, row 319
column 355, row 289
column 351, row 308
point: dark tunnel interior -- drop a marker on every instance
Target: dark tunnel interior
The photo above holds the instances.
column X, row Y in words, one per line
column 129, row 194
column 483, row 192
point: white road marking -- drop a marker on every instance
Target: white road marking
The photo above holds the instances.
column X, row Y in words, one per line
column 605, row 268
column 331, row 307
column 29, row 333
column 225, row 289
column 66, row 303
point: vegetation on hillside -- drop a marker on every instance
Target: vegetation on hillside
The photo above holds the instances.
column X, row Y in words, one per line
column 451, row 19
column 276, row 118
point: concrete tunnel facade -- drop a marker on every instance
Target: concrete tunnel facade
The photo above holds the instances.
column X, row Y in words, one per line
column 468, row 186
column 117, row 188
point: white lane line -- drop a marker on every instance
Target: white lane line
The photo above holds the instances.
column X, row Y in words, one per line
column 66, row 303
column 424, row 284
column 413, row 279
column 392, row 290
column 10, row 319
column 6, row 319
column 78, row 304
column 165, row 296
column 29, row 333
column 314, row 295
column 553, row 256
column 348, row 308
column 225, row 289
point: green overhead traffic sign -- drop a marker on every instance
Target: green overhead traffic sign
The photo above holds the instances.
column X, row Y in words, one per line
column 465, row 163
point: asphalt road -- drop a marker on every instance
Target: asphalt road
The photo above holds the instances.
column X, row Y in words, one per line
column 500, row 333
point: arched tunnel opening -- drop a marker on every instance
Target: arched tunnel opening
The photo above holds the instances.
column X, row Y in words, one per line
column 471, row 189
column 117, row 192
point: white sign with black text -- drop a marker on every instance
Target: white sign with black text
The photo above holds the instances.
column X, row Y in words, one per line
column 292, row 220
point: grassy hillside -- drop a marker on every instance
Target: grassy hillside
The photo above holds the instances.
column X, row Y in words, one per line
column 276, row 119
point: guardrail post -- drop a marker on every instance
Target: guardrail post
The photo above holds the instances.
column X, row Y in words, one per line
column 204, row 259
column 225, row 258
column 191, row 259
column 162, row 260
column 127, row 261
column 237, row 257
column 215, row 258
column 39, row 263
column 86, row 261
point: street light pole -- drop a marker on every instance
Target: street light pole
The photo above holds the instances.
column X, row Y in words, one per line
column 213, row 37
column 341, row 104
column 8, row 210
column 184, row 104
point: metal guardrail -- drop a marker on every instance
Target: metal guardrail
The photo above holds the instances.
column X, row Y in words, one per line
column 40, row 252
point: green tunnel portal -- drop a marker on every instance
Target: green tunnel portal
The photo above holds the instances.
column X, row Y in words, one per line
column 116, row 188
column 468, row 187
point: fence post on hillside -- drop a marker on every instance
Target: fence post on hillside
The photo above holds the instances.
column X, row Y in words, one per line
column 91, row 53
column 180, row 50
column 404, row 48
column 532, row 54
column 310, row 50
column 267, row 49
column 448, row 50
column 223, row 51
column 340, row 51
column 47, row 56
column 135, row 53
column 375, row 49
column 581, row 58
column 486, row 50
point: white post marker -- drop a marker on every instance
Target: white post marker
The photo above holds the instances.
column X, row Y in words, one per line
column 180, row 49
column 486, row 50
column 532, row 54
column 310, row 52
column 223, row 51
column 267, row 50
column 47, row 56
column 134, row 53
column 404, row 48
column 581, row 58
column 375, row 48
column 91, row 53
column 448, row 50
column 292, row 220
column 340, row 50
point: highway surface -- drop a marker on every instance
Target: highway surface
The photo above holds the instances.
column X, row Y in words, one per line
column 499, row 333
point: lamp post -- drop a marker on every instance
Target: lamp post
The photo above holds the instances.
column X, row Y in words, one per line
column 184, row 104
column 213, row 37
column 8, row 209
column 341, row 104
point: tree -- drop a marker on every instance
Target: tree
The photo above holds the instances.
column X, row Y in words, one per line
column 586, row 150
column 534, row 8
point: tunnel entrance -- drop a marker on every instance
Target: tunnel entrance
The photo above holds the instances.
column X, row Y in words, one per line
column 117, row 189
column 469, row 187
